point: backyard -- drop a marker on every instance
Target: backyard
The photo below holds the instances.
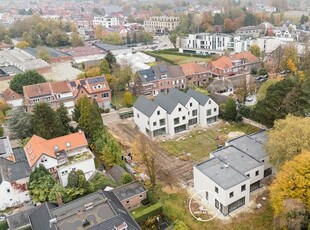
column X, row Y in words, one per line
column 118, row 99
column 198, row 144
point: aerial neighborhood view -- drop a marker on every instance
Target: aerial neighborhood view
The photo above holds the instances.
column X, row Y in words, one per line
column 150, row 115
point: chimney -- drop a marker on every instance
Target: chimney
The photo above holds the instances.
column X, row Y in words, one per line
column 39, row 89
column 59, row 199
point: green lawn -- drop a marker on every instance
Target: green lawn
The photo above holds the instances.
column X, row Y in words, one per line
column 180, row 59
column 118, row 99
column 175, row 207
column 200, row 143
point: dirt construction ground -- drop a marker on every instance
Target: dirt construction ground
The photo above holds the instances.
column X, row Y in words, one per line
column 171, row 170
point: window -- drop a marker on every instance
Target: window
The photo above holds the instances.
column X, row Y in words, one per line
column 216, row 190
column 208, row 112
column 138, row 115
column 154, row 123
column 209, row 102
column 176, row 121
column 231, row 194
column 148, row 122
column 207, row 195
column 183, row 118
column 190, row 104
column 158, row 112
column 127, row 201
column 263, row 161
column 214, row 109
column 56, row 147
column 162, row 122
column 8, row 190
column 105, row 95
column 243, row 188
column 248, row 175
column 180, row 109
column 68, row 144
column 194, row 112
column 257, row 173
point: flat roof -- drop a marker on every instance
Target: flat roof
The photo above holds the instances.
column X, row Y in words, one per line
column 260, row 136
column 237, row 159
column 250, row 146
column 129, row 190
column 222, row 174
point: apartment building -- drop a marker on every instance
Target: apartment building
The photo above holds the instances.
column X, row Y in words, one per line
column 249, row 31
column 105, row 21
column 239, row 63
column 226, row 180
column 173, row 113
column 61, row 155
column 159, row 79
column 159, row 24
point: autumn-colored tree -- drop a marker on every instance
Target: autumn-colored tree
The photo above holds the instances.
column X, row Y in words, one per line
column 289, row 52
column 43, row 54
column 228, row 25
column 292, row 182
column 93, row 72
column 76, row 40
column 98, row 32
column 144, row 152
column 288, row 138
column 244, row 89
column 22, row 45
column 128, row 98
column 255, row 50
column 291, row 66
column 113, row 38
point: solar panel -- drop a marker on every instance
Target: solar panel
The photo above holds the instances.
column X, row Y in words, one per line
column 162, row 69
column 73, row 84
column 83, row 82
column 101, row 79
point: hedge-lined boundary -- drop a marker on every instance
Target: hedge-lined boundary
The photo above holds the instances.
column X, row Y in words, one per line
column 143, row 215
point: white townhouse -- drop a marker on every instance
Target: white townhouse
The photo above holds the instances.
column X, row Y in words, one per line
column 174, row 112
column 61, row 155
column 105, row 21
column 226, row 180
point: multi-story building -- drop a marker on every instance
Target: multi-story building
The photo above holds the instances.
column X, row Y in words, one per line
column 239, row 63
column 196, row 75
column 249, row 31
column 105, row 21
column 174, row 112
column 61, row 155
column 159, row 24
column 160, row 78
column 54, row 93
column 226, row 180
column 95, row 88
column 205, row 43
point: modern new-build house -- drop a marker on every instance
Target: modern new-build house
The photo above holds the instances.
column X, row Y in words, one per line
column 226, row 180
column 160, row 78
column 61, row 155
column 174, row 112
column 239, row 63
column 14, row 175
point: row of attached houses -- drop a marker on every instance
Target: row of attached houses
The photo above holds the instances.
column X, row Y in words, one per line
column 226, row 180
column 66, row 92
column 174, row 112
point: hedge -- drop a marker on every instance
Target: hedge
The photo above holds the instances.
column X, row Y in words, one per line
column 144, row 214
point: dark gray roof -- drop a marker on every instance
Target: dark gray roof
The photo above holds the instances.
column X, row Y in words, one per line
column 175, row 71
column 112, row 9
column 129, row 190
column 161, row 70
column 105, row 212
column 52, row 52
column 260, row 136
column 179, row 96
column 11, row 69
column 107, row 47
column 201, row 98
column 19, row 154
column 20, row 219
column 145, row 106
column 237, row 159
column 223, row 175
column 220, row 85
column 166, row 102
column 117, row 172
column 147, row 75
column 5, row 146
column 249, row 146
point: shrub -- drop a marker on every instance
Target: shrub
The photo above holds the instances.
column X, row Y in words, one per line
column 262, row 71
column 144, row 214
column 238, row 118
column 106, row 110
column 126, row 178
column 145, row 201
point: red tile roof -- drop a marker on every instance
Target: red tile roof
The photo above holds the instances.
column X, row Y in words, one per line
column 193, row 68
column 10, row 94
column 38, row 146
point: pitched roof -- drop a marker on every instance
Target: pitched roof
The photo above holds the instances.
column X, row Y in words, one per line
column 145, row 106
column 201, row 98
column 46, row 88
column 193, row 68
column 166, row 102
column 12, row 171
column 90, row 85
column 223, row 62
column 117, row 172
column 38, row 146
column 10, row 94
column 20, row 220
column 245, row 55
column 179, row 96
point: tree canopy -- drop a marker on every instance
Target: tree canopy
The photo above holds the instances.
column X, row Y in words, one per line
column 288, row 138
column 19, row 124
column 230, row 112
column 30, row 77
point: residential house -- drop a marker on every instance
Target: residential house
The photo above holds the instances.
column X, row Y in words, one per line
column 131, row 194
column 53, row 93
column 159, row 24
column 20, row 220
column 105, row 21
column 12, row 98
column 160, row 78
column 239, row 63
column 173, row 113
column 196, row 75
column 95, row 88
column 14, row 175
column 61, row 155
column 226, row 180
column 95, row 211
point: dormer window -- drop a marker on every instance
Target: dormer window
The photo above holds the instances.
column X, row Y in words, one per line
column 68, row 144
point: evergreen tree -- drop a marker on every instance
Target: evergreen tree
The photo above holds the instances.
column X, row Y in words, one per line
column 104, row 67
column 19, row 124
column 45, row 122
column 62, row 114
column 128, row 38
column 110, row 58
column 230, row 112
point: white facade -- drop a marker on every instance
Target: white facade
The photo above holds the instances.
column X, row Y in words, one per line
column 177, row 120
column 105, row 21
column 208, row 112
column 161, row 23
column 16, row 102
column 240, row 44
column 11, row 196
